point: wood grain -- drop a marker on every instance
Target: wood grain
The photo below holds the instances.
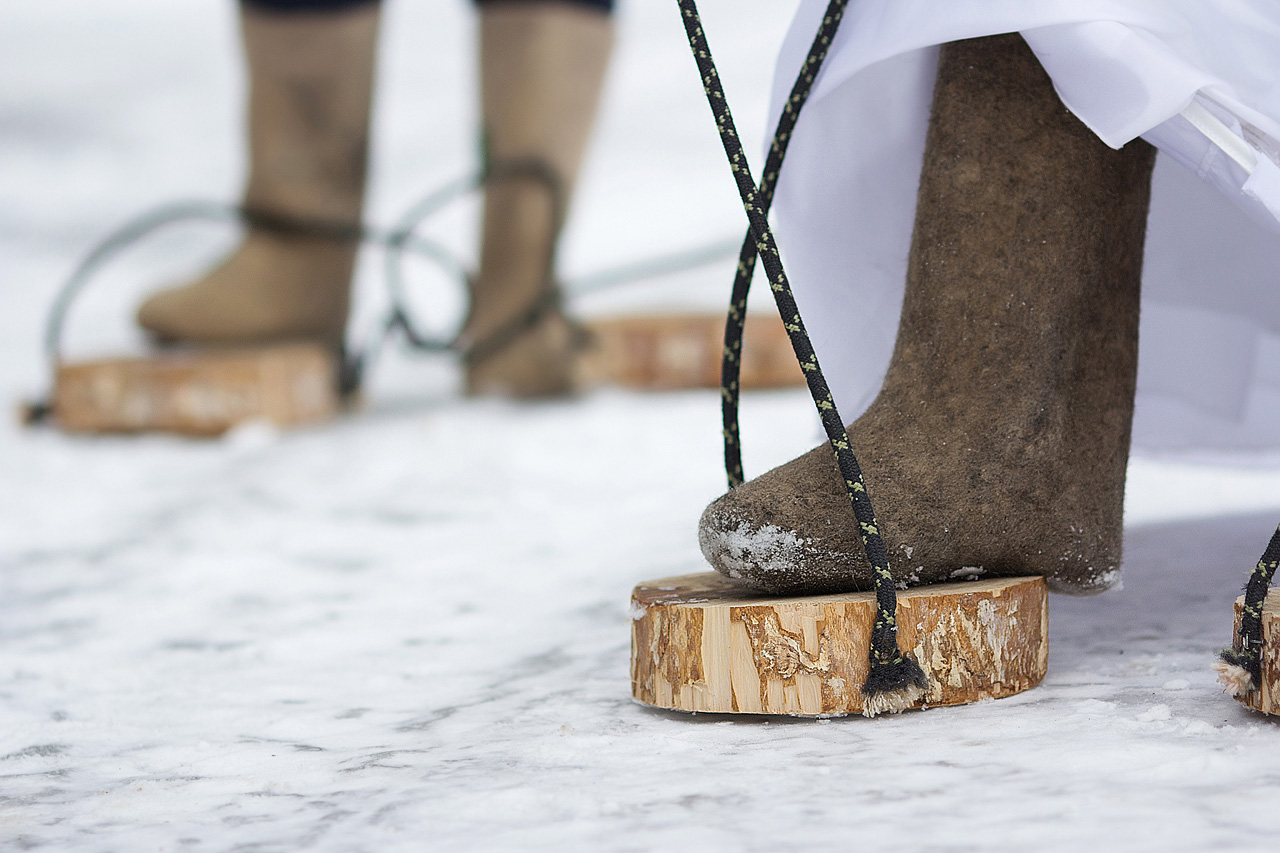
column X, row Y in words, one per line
column 702, row 643
column 1267, row 697
column 199, row 392
column 670, row 351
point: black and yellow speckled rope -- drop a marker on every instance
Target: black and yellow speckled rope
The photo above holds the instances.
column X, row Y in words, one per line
column 1247, row 653
column 895, row 680
column 731, row 365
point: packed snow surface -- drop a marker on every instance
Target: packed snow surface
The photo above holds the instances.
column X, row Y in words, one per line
column 408, row 629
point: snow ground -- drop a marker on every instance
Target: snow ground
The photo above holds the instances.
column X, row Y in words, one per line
column 408, row 629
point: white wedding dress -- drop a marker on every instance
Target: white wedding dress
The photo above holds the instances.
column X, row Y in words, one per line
column 1200, row 79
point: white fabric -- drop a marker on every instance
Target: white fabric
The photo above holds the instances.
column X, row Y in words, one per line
column 1209, row 368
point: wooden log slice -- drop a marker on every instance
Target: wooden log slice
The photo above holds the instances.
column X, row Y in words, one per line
column 702, row 643
column 1267, row 697
column 670, row 351
column 203, row 392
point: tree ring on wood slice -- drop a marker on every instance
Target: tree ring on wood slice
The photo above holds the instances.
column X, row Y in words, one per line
column 1267, row 697
column 198, row 392
column 702, row 643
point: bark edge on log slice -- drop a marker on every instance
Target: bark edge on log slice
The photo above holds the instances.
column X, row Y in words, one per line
column 701, row 643
column 662, row 352
column 197, row 392
column 1267, row 697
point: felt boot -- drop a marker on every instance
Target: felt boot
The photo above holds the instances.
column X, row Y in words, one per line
column 310, row 86
column 999, row 441
column 541, row 70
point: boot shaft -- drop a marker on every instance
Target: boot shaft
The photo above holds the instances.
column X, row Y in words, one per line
column 1030, row 282
column 310, row 94
column 542, row 68
column 541, row 71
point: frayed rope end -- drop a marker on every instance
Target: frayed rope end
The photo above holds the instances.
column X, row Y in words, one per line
column 893, row 687
column 891, row 701
column 1233, row 675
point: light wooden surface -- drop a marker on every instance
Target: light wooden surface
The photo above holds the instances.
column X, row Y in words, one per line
column 197, row 393
column 1267, row 697
column 669, row 351
column 701, row 643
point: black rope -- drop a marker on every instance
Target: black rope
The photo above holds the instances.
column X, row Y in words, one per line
column 112, row 245
column 356, row 364
column 352, row 365
column 731, row 364
column 404, row 229
column 1248, row 651
column 548, row 301
column 397, row 241
column 171, row 214
column 891, row 671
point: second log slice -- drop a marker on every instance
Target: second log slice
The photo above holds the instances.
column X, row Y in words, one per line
column 1267, row 697
column 198, row 392
column 702, row 643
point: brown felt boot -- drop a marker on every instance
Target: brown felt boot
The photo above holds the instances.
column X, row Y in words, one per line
column 998, row 443
column 310, row 86
column 541, row 70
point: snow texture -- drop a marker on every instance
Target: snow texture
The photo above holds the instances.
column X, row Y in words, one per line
column 408, row 629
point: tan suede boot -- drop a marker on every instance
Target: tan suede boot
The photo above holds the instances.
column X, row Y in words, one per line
column 999, row 442
column 310, row 86
column 541, row 70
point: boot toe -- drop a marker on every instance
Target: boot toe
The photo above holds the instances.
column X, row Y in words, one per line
column 537, row 365
column 761, row 551
column 158, row 314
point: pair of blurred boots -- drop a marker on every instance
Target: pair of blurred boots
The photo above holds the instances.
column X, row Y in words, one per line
column 310, row 89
